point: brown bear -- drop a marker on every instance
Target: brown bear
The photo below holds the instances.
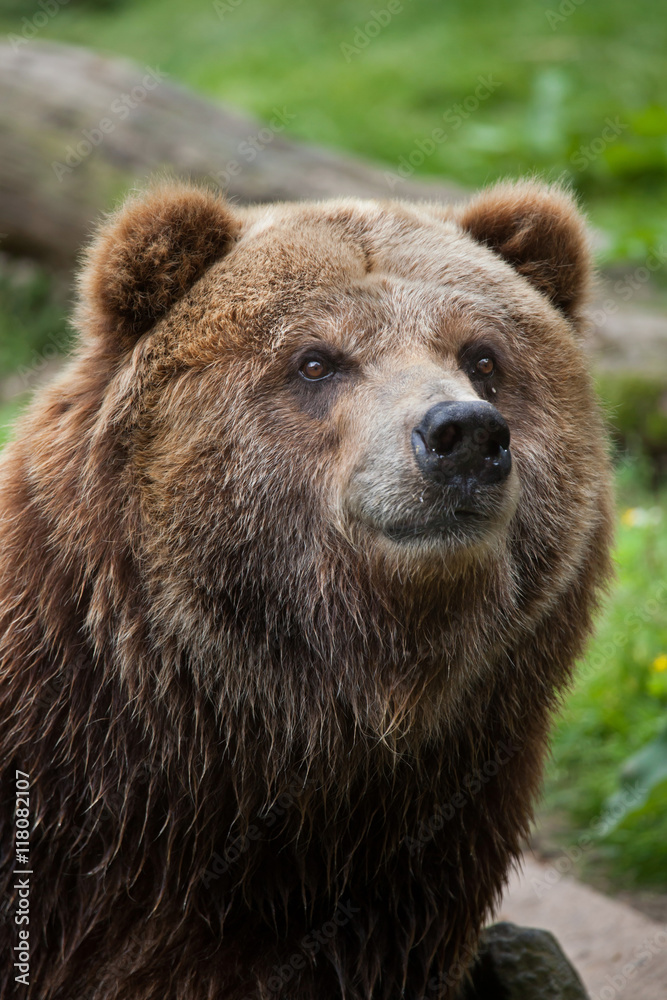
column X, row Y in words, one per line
column 295, row 558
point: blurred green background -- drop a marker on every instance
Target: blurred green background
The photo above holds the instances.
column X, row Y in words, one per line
column 560, row 77
column 578, row 94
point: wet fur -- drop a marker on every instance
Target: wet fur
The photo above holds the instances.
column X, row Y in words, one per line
column 194, row 643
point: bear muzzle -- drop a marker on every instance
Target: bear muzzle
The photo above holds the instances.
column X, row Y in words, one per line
column 431, row 462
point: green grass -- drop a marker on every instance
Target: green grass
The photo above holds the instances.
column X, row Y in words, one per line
column 558, row 81
column 619, row 703
column 33, row 318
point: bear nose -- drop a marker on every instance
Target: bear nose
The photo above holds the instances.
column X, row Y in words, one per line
column 463, row 440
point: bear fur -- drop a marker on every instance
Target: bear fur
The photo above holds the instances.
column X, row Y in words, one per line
column 274, row 749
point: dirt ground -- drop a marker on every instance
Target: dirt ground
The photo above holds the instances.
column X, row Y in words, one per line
column 620, row 953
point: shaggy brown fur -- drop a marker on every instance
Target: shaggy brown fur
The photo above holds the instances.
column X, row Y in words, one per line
column 273, row 750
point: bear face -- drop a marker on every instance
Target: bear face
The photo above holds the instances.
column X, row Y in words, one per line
column 318, row 345
column 320, row 508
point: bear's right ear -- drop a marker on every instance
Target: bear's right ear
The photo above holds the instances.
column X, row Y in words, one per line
column 146, row 257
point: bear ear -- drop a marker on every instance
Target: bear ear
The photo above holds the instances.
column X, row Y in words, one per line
column 537, row 229
column 147, row 255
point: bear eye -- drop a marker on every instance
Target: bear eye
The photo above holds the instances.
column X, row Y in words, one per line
column 485, row 366
column 315, row 369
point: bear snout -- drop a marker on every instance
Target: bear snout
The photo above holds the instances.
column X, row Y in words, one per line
column 463, row 443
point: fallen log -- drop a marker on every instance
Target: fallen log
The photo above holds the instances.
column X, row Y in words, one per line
column 78, row 129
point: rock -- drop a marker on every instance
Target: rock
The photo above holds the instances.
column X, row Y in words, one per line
column 522, row 963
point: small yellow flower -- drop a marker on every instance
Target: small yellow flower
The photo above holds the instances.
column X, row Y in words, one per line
column 641, row 517
column 659, row 665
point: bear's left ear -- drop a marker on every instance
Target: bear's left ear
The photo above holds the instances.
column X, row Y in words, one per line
column 538, row 230
column 146, row 257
